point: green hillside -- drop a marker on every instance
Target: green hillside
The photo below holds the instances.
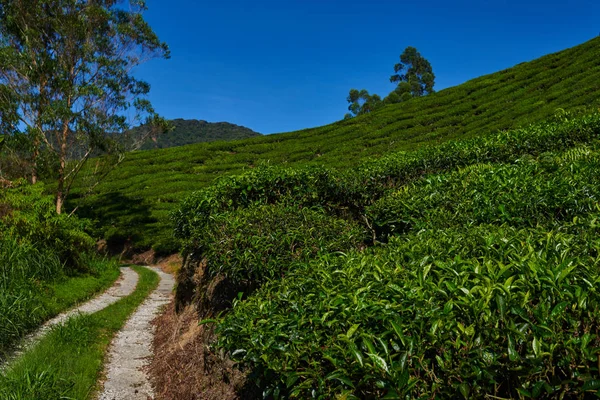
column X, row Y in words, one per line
column 191, row 131
column 464, row 270
column 135, row 200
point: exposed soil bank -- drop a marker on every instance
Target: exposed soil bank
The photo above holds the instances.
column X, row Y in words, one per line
column 185, row 368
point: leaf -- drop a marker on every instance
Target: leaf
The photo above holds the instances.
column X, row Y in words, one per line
column 537, row 346
column 398, row 331
column 559, row 308
column 592, row 384
column 380, row 362
column 351, row 331
column 464, row 389
column 512, row 353
column 208, row 321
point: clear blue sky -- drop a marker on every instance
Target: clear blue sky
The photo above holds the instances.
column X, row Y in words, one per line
column 282, row 65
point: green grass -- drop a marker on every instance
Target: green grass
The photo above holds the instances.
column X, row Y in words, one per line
column 67, row 363
column 59, row 296
column 134, row 202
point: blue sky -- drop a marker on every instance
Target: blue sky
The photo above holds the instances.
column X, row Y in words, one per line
column 283, row 65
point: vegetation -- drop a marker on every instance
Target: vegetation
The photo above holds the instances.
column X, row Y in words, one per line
column 46, row 262
column 65, row 78
column 416, row 82
column 134, row 202
column 481, row 280
column 190, row 131
column 67, row 363
column 361, row 102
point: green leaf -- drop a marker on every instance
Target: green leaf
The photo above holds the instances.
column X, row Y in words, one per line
column 378, row 361
column 537, row 346
column 559, row 308
column 351, row 331
column 465, row 390
column 512, row 353
column 592, row 384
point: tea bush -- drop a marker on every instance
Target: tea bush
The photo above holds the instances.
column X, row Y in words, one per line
column 440, row 313
column 260, row 243
column 527, row 193
column 489, row 289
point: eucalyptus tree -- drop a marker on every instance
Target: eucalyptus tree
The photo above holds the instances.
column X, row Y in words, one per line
column 413, row 75
column 67, row 65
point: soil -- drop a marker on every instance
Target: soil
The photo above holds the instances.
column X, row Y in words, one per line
column 184, row 366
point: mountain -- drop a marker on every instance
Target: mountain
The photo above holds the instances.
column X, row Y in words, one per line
column 190, row 131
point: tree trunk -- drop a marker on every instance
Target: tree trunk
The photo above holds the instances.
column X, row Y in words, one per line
column 36, row 153
column 60, row 191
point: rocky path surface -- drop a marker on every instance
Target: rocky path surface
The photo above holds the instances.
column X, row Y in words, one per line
column 123, row 287
column 131, row 349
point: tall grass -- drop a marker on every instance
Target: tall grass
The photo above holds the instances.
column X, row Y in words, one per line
column 45, row 262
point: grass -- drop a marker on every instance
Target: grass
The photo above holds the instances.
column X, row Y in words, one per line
column 134, row 202
column 59, row 296
column 67, row 363
column 35, row 288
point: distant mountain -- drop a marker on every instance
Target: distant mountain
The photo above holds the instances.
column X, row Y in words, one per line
column 190, row 131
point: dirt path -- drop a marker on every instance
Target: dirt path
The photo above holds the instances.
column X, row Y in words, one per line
column 130, row 350
column 123, row 287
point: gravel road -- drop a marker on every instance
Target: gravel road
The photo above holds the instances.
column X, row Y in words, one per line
column 131, row 349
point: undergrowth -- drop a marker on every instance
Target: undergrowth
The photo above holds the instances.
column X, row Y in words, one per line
column 46, row 262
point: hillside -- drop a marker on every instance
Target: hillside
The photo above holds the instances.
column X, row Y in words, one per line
column 135, row 200
column 463, row 270
column 191, row 131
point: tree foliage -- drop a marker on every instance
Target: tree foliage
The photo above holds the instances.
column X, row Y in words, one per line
column 361, row 102
column 65, row 73
column 413, row 75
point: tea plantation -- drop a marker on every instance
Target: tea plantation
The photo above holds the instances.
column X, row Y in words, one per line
column 134, row 202
column 476, row 275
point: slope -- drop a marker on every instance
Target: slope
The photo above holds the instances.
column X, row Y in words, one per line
column 134, row 202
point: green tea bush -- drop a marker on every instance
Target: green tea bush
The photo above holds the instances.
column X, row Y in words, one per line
column 263, row 185
column 527, row 193
column 240, row 250
column 436, row 314
column 260, row 243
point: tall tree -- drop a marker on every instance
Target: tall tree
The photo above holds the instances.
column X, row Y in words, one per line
column 66, row 65
column 413, row 75
column 361, row 102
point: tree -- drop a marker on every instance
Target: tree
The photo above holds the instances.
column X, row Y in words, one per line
column 361, row 102
column 418, row 79
column 65, row 66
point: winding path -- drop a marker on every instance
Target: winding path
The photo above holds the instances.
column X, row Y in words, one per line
column 131, row 349
column 123, row 287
